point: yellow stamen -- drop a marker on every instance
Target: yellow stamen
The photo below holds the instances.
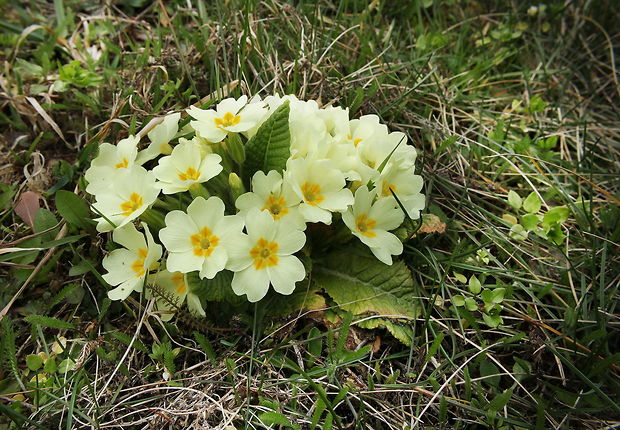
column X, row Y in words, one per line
column 264, row 254
column 179, row 281
column 365, row 225
column 138, row 265
column 312, row 193
column 122, row 164
column 355, row 141
column 190, row 174
column 386, row 187
column 133, row 204
column 276, row 206
column 228, row 120
column 204, row 242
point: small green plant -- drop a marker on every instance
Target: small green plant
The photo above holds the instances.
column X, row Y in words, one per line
column 529, row 219
column 74, row 74
column 486, row 300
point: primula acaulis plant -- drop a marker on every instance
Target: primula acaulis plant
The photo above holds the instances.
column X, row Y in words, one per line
column 256, row 188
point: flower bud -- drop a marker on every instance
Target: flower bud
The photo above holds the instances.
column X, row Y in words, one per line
column 236, row 186
column 235, row 148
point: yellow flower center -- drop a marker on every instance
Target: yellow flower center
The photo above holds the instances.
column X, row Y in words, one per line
column 122, row 164
column 133, row 204
column 386, row 187
column 276, row 206
column 365, row 225
column 228, row 120
column 264, row 254
column 179, row 281
column 355, row 141
column 190, row 174
column 312, row 193
column 138, row 265
column 204, row 242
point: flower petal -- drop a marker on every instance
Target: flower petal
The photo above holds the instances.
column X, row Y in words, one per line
column 129, row 237
column 176, row 235
column 125, row 289
column 254, row 283
column 286, row 273
column 184, row 262
column 214, row 263
column 315, row 214
column 289, row 239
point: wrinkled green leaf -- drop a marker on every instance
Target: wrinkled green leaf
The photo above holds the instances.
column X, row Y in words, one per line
column 269, row 148
column 401, row 332
column 362, row 285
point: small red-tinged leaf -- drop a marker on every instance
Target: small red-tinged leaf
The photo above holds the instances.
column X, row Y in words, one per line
column 27, row 207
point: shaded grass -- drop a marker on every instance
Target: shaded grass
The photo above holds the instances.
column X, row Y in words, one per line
column 475, row 85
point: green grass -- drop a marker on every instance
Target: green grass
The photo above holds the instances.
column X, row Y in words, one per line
column 479, row 88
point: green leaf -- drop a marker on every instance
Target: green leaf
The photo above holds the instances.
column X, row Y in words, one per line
column 492, row 320
column 487, row 370
column 362, row 285
column 517, row 232
column 401, row 332
column 470, row 304
column 532, row 203
column 66, row 365
column 44, row 220
column 548, row 143
column 303, row 299
column 315, row 343
column 73, row 209
column 460, row 277
column 487, row 296
column 458, row 300
column 498, row 403
column 34, row 361
column 206, row 346
column 498, row 295
column 48, row 322
column 474, row 285
column 529, row 221
column 269, row 148
column 556, row 234
column 50, row 365
column 271, row 418
column 7, row 192
column 556, row 215
column 514, row 200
